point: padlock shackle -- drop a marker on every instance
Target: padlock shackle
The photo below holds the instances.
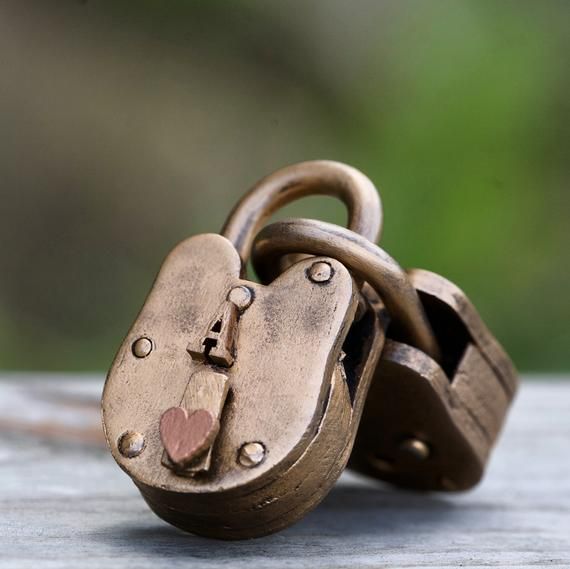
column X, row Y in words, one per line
column 365, row 259
column 318, row 177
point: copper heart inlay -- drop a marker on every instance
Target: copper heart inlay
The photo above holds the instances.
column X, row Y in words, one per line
column 186, row 436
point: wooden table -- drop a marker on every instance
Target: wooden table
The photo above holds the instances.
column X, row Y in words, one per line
column 64, row 502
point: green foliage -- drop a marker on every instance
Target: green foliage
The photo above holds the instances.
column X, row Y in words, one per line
column 128, row 128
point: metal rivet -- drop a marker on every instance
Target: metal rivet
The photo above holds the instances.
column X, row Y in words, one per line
column 320, row 272
column 241, row 296
column 415, row 448
column 142, row 347
column 131, row 444
column 251, row 454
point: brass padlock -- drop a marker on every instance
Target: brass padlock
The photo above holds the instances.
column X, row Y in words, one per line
column 431, row 425
column 432, row 415
column 232, row 405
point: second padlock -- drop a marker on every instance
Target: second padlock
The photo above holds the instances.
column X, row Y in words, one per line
column 443, row 386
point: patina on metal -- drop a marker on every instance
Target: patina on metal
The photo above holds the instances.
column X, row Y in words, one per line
column 362, row 257
column 443, row 385
column 235, row 405
column 288, row 417
column 318, row 177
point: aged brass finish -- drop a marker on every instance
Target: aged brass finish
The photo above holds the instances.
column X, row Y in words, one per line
column 131, row 444
column 241, row 296
column 320, row 272
column 454, row 399
column 457, row 406
column 362, row 257
column 416, row 449
column 294, row 399
column 322, row 177
column 254, row 394
column 142, row 347
column 251, row 454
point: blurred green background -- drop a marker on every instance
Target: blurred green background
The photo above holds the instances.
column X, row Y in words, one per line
column 125, row 127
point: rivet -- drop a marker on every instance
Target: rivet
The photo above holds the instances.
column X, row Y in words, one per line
column 415, row 448
column 320, row 272
column 142, row 347
column 241, row 296
column 251, row 454
column 131, row 444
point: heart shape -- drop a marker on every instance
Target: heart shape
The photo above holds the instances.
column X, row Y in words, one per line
column 185, row 436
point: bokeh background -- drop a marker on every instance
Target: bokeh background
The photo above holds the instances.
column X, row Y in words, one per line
column 127, row 126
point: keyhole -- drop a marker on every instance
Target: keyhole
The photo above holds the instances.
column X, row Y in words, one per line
column 210, row 343
column 219, row 344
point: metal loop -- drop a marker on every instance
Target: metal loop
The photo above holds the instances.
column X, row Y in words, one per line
column 319, row 177
column 365, row 259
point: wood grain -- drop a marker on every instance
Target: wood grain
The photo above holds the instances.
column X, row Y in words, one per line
column 64, row 502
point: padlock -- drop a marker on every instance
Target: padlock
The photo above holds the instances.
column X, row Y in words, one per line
column 430, row 425
column 432, row 415
column 232, row 405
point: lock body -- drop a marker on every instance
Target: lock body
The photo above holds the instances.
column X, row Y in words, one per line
column 430, row 425
column 262, row 366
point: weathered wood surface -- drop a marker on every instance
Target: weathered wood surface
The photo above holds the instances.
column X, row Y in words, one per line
column 64, row 502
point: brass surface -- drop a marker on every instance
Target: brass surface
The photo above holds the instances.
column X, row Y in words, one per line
column 241, row 296
column 457, row 416
column 234, row 406
column 251, row 454
column 318, row 177
column 131, row 444
column 142, row 347
column 416, row 448
column 286, row 388
column 320, row 272
column 457, row 412
column 363, row 258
